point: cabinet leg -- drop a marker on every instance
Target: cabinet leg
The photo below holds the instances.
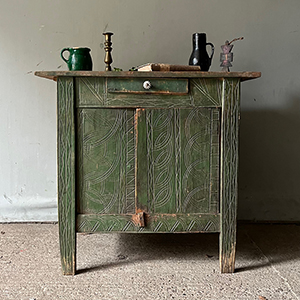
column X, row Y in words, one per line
column 67, row 253
column 66, row 175
column 229, row 172
column 227, row 253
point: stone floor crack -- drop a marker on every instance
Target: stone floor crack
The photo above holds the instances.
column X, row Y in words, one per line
column 273, row 267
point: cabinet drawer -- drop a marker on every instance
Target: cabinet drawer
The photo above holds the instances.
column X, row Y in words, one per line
column 145, row 86
column 164, row 92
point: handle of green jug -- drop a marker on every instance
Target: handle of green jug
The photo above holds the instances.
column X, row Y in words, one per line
column 212, row 50
column 61, row 54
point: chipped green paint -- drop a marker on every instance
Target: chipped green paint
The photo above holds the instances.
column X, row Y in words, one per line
column 124, row 153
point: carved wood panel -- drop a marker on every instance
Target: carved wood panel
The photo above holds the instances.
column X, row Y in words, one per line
column 170, row 154
column 93, row 92
column 178, row 160
column 106, row 161
column 155, row 223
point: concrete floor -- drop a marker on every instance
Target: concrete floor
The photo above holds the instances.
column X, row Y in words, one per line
column 152, row 266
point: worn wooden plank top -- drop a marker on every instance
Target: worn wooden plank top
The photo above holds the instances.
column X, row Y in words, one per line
column 55, row 74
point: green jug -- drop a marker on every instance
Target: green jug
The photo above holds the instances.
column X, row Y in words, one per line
column 79, row 59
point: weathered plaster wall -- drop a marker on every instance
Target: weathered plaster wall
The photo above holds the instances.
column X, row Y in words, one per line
column 32, row 33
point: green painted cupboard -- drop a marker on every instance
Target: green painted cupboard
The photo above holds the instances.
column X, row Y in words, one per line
column 147, row 152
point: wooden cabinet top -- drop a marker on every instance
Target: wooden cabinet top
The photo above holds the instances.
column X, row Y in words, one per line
column 53, row 75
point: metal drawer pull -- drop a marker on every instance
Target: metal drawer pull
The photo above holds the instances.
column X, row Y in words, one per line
column 147, row 85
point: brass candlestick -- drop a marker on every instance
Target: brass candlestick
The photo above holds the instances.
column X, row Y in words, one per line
column 108, row 59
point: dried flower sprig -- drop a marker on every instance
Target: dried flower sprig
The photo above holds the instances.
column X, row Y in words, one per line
column 236, row 39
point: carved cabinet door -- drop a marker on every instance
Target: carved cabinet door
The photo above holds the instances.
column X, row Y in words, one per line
column 106, row 161
column 178, row 160
column 158, row 161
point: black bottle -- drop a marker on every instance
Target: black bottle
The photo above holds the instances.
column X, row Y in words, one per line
column 199, row 56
